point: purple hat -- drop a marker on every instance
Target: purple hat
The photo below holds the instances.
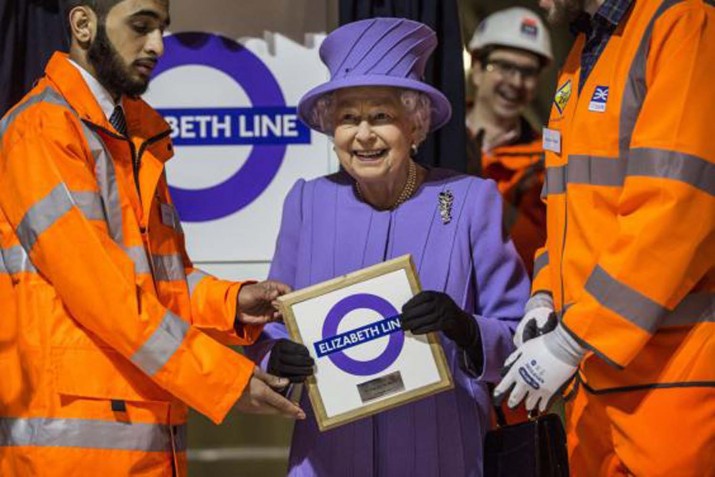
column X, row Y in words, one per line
column 377, row 52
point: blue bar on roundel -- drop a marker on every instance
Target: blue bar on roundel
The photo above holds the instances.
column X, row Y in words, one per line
column 358, row 336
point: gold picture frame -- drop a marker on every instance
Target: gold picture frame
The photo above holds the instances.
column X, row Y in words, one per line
column 418, row 368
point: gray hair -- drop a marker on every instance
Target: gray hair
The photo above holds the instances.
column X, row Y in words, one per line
column 417, row 106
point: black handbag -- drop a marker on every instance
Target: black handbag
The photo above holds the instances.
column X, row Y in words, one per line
column 535, row 448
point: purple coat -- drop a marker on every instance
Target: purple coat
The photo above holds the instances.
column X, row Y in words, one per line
column 327, row 231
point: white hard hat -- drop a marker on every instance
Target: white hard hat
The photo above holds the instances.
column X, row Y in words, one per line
column 516, row 28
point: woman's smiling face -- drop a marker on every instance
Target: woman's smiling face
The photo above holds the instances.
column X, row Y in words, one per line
column 373, row 134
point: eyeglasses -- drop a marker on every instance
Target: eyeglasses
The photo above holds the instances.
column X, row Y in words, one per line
column 508, row 69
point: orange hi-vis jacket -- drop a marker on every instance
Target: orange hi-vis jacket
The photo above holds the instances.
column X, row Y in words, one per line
column 630, row 178
column 108, row 332
column 518, row 170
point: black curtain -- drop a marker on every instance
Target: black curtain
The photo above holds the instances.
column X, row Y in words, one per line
column 446, row 147
column 30, row 30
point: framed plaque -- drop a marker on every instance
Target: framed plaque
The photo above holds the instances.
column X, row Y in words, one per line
column 364, row 362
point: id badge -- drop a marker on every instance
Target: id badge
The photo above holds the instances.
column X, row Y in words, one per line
column 551, row 140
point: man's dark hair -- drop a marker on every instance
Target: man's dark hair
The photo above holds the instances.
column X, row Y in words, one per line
column 100, row 8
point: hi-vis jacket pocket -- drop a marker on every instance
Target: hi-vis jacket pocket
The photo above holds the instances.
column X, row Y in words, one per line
column 102, row 374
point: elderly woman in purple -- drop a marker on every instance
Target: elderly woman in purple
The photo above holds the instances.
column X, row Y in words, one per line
column 380, row 206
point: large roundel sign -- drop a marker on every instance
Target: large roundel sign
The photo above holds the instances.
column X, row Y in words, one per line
column 267, row 125
column 334, row 344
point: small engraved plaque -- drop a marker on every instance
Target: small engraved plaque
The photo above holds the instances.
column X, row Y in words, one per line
column 382, row 386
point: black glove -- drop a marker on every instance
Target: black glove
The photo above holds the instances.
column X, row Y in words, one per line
column 290, row 360
column 436, row 311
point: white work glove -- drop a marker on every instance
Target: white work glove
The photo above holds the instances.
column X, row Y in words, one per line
column 538, row 369
column 539, row 318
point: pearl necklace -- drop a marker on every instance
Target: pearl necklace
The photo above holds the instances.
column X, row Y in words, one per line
column 407, row 190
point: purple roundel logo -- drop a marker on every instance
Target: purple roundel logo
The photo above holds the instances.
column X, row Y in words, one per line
column 267, row 126
column 387, row 326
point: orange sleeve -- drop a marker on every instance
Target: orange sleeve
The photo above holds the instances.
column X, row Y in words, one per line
column 214, row 308
column 541, row 279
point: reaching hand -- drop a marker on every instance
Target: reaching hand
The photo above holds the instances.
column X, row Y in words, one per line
column 539, row 318
column 290, row 360
column 259, row 398
column 256, row 302
column 436, row 311
column 538, row 369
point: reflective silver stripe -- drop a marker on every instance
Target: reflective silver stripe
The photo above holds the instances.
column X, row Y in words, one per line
column 138, row 256
column 698, row 307
column 43, row 214
column 678, row 166
column 168, row 267
column 539, row 263
column 641, row 310
column 555, row 180
column 90, row 434
column 107, row 179
column 582, row 169
column 3, row 269
column 17, row 261
column 90, row 203
column 194, row 278
column 47, row 95
column 161, row 345
column 51, row 208
column 607, row 171
column 594, row 170
column 635, row 88
column 624, row 301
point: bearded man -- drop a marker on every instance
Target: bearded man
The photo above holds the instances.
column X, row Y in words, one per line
column 109, row 332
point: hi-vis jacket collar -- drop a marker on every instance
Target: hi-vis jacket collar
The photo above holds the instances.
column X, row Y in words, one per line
column 143, row 122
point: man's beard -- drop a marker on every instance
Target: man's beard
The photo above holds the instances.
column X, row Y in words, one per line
column 565, row 11
column 110, row 69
